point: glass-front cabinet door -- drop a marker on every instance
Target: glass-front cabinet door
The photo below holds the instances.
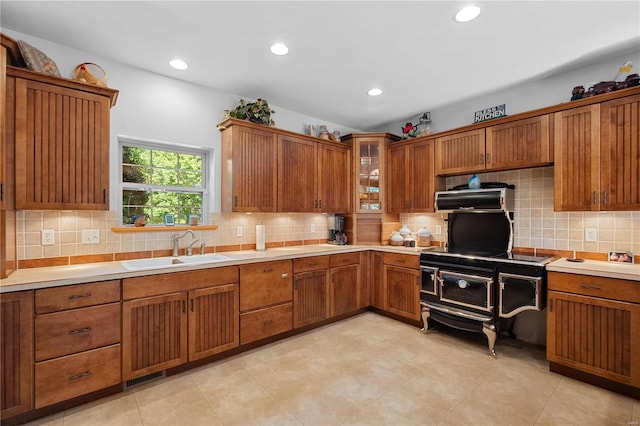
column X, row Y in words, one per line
column 368, row 152
column 369, row 176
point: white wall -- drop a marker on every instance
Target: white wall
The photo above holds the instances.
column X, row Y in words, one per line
column 540, row 93
column 152, row 106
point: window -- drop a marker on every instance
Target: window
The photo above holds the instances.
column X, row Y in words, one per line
column 160, row 179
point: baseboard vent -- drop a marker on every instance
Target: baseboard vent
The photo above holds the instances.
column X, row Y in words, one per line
column 144, row 379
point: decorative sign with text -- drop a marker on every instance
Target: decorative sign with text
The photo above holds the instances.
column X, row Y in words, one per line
column 490, row 113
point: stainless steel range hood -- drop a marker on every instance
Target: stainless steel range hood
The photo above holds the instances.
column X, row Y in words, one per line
column 481, row 200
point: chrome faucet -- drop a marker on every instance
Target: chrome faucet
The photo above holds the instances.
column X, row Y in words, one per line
column 177, row 237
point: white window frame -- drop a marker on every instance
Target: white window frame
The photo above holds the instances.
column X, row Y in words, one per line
column 165, row 146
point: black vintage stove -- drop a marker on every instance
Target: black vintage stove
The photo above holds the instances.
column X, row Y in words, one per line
column 477, row 283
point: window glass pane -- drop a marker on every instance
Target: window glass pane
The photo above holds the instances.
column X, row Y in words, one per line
column 135, row 155
column 164, row 177
column 164, row 159
column 136, row 174
column 188, row 178
column 190, row 162
column 133, row 203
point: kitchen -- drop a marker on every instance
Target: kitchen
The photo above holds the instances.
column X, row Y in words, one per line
column 540, row 227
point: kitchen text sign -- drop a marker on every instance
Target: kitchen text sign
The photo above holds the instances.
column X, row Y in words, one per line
column 490, row 113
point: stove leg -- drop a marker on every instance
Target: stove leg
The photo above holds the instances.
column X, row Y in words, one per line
column 489, row 330
column 425, row 316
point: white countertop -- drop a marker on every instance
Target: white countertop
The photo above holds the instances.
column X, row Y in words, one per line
column 35, row 278
column 625, row 271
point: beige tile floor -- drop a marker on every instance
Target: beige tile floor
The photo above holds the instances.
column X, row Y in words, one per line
column 366, row 370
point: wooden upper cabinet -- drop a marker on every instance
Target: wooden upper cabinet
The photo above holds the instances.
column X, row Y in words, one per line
column 61, row 140
column 273, row 170
column 411, row 182
column 620, row 153
column 334, row 173
column 249, row 169
column 512, row 145
column 577, row 158
column 460, row 153
column 297, row 177
column 518, row 144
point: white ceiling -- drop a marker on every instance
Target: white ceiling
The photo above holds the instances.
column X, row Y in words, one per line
column 413, row 50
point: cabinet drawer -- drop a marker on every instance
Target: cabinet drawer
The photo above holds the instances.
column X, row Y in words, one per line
column 76, row 296
column 608, row 288
column 68, row 332
column 155, row 285
column 264, row 284
column 306, row 264
column 265, row 322
column 345, row 259
column 405, row 260
column 63, row 378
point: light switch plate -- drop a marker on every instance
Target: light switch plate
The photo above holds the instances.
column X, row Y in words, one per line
column 90, row 236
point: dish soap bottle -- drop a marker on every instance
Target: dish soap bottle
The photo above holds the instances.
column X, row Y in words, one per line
column 474, row 182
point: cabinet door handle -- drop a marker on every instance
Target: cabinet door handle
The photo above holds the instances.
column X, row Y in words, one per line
column 604, row 197
column 1, row 191
column 235, row 201
column 80, row 331
column 592, row 287
column 550, row 305
column 193, row 306
column 285, row 275
column 269, row 322
column 79, row 296
column 481, row 158
column 184, row 306
column 488, row 158
column 595, row 198
column 267, row 270
column 80, row 376
column 104, row 195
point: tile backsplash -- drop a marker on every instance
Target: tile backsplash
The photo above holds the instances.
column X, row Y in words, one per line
column 536, row 225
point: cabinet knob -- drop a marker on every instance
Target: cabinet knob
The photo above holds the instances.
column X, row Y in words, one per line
column 285, row 275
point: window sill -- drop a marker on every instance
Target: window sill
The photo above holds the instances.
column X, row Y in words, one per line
column 161, row 228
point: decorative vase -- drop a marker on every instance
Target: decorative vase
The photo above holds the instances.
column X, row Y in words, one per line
column 474, row 182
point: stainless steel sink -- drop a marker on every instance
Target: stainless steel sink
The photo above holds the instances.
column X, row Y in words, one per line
column 168, row 262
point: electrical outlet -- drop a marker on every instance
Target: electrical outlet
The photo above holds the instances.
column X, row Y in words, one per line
column 48, row 238
column 90, row 236
column 240, row 231
column 313, row 227
column 590, row 234
column 438, row 229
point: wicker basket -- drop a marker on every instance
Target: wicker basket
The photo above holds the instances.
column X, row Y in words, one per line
column 90, row 73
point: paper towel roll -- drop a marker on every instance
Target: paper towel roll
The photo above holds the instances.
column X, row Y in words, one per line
column 260, row 238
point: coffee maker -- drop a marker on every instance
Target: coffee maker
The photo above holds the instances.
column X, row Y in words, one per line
column 336, row 230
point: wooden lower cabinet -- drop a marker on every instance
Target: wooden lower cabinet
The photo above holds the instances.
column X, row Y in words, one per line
column 266, row 295
column 154, row 335
column 591, row 333
column 69, row 376
column 213, row 320
column 345, row 289
column 402, row 285
column 76, row 340
column 169, row 319
column 310, row 297
column 377, row 279
column 265, row 322
column 16, row 353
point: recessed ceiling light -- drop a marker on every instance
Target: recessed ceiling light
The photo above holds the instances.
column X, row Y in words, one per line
column 279, row 49
column 375, row 92
column 178, row 64
column 468, row 13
